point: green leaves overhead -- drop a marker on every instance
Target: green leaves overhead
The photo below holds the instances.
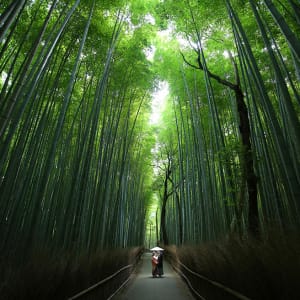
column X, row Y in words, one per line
column 74, row 106
column 76, row 147
column 222, row 45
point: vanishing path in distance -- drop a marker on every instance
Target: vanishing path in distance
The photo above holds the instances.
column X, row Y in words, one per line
column 143, row 286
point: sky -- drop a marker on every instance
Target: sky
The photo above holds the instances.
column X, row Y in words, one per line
column 158, row 101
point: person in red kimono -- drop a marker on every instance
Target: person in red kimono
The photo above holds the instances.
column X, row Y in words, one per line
column 154, row 264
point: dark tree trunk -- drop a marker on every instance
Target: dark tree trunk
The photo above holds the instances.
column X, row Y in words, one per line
column 163, row 209
column 179, row 219
column 247, row 154
column 250, row 176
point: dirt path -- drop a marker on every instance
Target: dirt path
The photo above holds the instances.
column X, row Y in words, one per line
column 144, row 287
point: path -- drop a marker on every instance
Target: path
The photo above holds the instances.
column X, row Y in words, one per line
column 143, row 286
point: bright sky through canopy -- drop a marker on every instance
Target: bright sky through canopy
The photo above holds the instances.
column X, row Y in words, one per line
column 158, row 101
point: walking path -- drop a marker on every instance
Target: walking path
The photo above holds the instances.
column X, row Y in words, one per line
column 143, row 286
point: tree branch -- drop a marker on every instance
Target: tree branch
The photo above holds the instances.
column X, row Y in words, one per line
column 188, row 63
column 173, row 191
column 211, row 75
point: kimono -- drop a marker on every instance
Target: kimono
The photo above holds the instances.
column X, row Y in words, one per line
column 154, row 264
column 160, row 269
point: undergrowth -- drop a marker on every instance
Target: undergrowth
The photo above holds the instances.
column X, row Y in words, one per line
column 43, row 277
column 259, row 269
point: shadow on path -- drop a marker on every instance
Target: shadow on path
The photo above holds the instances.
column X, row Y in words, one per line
column 143, row 286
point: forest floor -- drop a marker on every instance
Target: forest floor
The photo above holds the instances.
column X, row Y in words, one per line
column 144, row 286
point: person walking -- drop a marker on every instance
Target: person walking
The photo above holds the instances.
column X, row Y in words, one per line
column 160, row 267
column 154, row 262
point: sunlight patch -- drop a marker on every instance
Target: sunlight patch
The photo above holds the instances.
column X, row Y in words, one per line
column 158, row 101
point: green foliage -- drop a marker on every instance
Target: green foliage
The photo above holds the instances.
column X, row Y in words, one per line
column 202, row 116
column 76, row 147
column 81, row 109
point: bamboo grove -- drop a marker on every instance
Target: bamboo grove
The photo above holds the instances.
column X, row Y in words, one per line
column 76, row 147
column 234, row 167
